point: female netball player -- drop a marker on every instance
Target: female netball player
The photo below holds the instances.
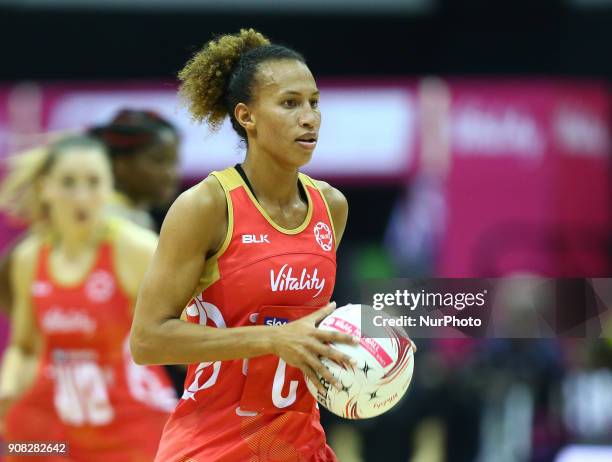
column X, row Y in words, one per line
column 143, row 147
column 251, row 252
column 74, row 285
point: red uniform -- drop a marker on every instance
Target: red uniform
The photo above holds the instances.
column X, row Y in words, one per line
column 88, row 392
column 257, row 409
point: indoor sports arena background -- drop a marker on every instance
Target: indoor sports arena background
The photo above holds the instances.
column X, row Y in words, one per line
column 471, row 138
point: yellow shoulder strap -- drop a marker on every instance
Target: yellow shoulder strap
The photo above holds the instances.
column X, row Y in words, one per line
column 229, row 178
column 113, row 227
column 307, row 180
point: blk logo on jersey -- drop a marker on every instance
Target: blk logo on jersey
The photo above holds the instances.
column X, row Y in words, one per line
column 274, row 321
column 324, row 236
column 284, row 280
column 255, row 239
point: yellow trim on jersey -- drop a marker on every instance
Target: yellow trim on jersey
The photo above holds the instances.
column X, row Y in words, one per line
column 307, row 179
column 113, row 225
column 211, row 274
column 272, row 223
column 229, row 178
column 227, row 183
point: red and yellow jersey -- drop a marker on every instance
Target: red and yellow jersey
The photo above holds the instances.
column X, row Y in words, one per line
column 257, row 409
column 88, row 391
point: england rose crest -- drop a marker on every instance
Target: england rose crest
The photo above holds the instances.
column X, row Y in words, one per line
column 100, row 286
column 324, row 236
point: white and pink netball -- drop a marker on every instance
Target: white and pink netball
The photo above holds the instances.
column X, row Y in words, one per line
column 383, row 371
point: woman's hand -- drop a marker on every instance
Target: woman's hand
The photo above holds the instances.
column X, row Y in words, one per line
column 300, row 344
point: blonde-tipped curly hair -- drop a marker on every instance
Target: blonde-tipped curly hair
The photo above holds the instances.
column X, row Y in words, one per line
column 222, row 75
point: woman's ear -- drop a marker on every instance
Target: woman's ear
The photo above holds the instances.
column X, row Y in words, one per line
column 244, row 116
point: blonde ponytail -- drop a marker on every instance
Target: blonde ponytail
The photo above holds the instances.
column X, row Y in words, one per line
column 20, row 190
column 19, row 195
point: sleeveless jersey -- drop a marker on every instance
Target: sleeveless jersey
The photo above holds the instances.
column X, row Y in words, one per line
column 88, row 392
column 257, row 409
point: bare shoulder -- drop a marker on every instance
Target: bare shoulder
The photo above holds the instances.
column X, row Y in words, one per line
column 198, row 216
column 204, row 198
column 23, row 262
column 338, row 207
column 335, row 199
column 133, row 239
column 23, row 327
column 25, row 254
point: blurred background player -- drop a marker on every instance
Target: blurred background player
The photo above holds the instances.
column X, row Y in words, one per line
column 143, row 147
column 74, row 282
column 234, row 244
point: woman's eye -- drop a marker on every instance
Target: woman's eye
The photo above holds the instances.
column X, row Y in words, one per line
column 290, row 103
column 94, row 181
column 314, row 103
column 68, row 182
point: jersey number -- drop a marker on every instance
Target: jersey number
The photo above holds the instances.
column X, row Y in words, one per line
column 81, row 396
column 278, row 399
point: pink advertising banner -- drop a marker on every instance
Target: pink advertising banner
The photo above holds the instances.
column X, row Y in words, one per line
column 528, row 189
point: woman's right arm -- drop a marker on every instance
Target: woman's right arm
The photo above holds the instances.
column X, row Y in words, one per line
column 6, row 293
column 195, row 227
column 21, row 356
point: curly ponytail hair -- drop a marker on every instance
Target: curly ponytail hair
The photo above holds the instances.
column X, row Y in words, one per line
column 222, row 74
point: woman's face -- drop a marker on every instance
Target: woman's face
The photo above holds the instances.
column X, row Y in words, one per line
column 77, row 187
column 151, row 175
column 285, row 112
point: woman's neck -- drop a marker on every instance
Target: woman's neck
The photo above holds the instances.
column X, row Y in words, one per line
column 271, row 182
column 71, row 242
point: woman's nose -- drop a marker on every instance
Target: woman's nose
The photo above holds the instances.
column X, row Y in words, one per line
column 308, row 118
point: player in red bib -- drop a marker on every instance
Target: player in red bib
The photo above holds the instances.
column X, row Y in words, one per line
column 75, row 282
column 251, row 253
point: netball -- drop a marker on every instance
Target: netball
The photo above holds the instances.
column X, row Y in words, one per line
column 381, row 376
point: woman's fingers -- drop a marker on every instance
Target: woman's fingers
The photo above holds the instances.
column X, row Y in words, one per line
column 330, row 336
column 312, row 376
column 321, row 314
column 333, row 354
column 315, row 363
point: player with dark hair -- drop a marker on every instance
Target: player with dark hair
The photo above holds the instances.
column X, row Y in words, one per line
column 143, row 147
column 251, row 253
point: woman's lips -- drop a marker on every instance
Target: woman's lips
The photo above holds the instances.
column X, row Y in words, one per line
column 307, row 144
